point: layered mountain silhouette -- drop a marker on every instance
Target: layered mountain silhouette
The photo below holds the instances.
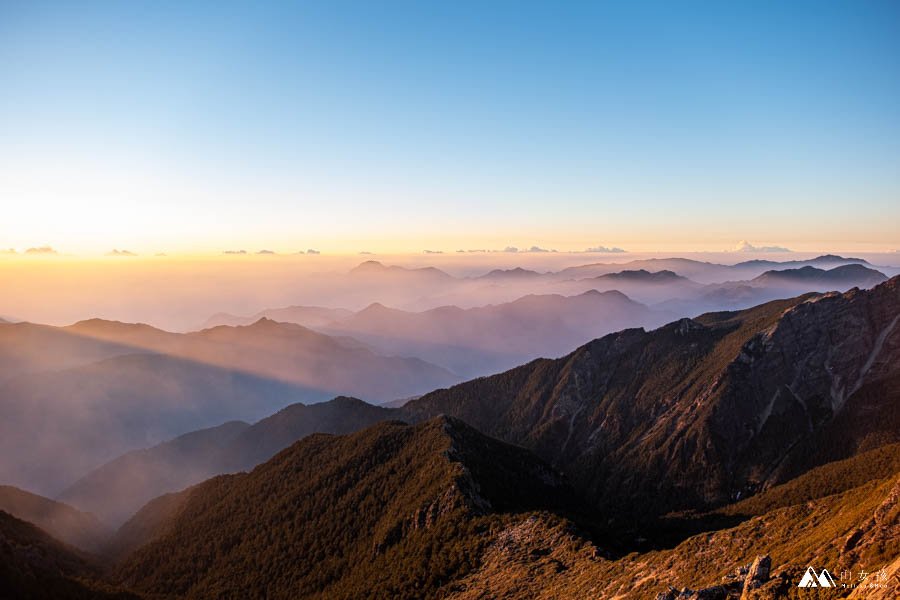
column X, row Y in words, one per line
column 837, row 278
column 515, row 274
column 514, row 315
column 607, row 412
column 308, row 316
column 84, row 394
column 707, row 272
column 116, row 490
column 74, row 527
column 768, row 286
column 483, row 340
column 650, row 287
column 486, row 339
column 725, row 454
column 423, row 288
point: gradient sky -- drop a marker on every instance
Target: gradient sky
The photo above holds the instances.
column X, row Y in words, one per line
column 400, row 126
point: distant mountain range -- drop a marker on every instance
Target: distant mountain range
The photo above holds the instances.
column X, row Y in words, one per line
column 566, row 311
column 308, row 316
column 75, row 397
column 706, row 272
column 484, row 340
column 481, row 340
column 724, row 454
column 838, row 277
column 607, row 412
column 418, row 289
column 769, row 286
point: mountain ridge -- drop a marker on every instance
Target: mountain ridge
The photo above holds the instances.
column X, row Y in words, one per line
column 599, row 412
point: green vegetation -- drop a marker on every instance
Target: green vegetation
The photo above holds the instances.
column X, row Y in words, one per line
column 34, row 566
column 394, row 510
column 823, row 481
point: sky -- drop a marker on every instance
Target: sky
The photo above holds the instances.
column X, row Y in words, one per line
column 403, row 126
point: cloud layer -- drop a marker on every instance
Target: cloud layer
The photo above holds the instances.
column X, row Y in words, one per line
column 745, row 246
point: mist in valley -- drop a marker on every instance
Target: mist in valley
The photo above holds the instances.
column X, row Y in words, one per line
column 80, row 396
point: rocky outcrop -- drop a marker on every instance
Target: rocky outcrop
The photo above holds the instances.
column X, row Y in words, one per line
column 757, row 577
column 746, row 583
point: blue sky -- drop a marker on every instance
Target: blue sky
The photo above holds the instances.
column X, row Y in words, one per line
column 404, row 126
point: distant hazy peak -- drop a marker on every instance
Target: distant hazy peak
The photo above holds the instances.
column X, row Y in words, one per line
column 368, row 266
column 109, row 325
column 516, row 272
column 843, row 272
column 374, row 266
column 644, row 275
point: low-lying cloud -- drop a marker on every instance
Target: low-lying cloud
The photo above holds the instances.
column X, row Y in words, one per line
column 604, row 250
column 41, row 250
column 745, row 246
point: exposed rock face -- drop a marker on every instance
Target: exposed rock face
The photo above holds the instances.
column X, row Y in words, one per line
column 747, row 583
column 703, row 411
column 757, row 576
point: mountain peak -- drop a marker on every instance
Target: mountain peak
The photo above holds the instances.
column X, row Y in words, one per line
column 376, row 308
column 514, row 273
column 831, row 258
column 386, row 487
column 368, row 266
column 643, row 275
column 97, row 324
column 854, row 273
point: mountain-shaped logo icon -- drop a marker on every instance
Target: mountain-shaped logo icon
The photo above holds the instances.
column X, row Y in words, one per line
column 810, row 579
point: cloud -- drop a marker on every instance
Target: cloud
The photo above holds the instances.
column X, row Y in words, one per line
column 266, row 252
column 235, row 252
column 116, row 252
column 604, row 250
column 311, row 251
column 41, row 250
column 160, row 254
column 510, row 249
column 365, row 252
column 8, row 251
column 745, row 246
column 538, row 249
column 433, row 251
